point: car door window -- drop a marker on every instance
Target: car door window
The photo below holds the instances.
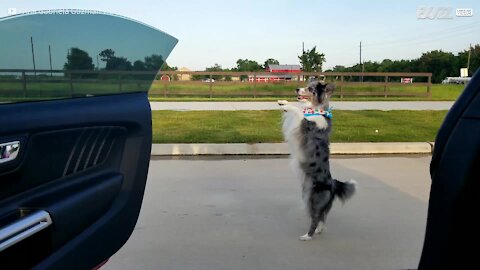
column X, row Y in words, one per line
column 74, row 53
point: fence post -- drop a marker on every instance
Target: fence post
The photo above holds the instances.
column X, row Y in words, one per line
column 71, row 84
column 341, row 87
column 119, row 83
column 211, row 84
column 165, row 86
column 254, row 85
column 24, row 77
column 385, row 87
column 429, row 93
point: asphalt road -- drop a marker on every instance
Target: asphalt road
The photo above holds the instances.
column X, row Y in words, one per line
column 247, row 214
column 271, row 105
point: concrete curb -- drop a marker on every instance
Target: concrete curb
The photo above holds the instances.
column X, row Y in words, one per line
column 282, row 149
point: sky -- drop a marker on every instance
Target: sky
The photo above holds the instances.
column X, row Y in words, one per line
column 223, row 31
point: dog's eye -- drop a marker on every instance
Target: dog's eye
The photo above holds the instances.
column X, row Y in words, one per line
column 310, row 89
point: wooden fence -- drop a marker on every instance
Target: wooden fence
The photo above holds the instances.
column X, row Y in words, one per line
column 347, row 84
column 61, row 83
column 46, row 84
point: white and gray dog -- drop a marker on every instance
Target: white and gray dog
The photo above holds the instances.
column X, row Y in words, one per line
column 307, row 133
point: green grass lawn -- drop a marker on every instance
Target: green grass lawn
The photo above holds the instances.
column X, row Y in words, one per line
column 265, row 126
column 440, row 92
column 44, row 90
column 199, row 91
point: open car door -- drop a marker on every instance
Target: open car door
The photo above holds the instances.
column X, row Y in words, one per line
column 453, row 226
column 75, row 134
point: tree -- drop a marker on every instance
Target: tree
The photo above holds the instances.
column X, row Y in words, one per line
column 386, row 66
column 138, row 66
column 248, row 65
column 151, row 63
column 244, row 65
column 404, row 66
column 215, row 68
column 462, row 59
column 270, row 61
column 311, row 60
column 78, row 59
column 154, row 62
column 113, row 62
column 167, row 67
column 118, row 63
column 440, row 64
column 339, row 68
column 106, row 55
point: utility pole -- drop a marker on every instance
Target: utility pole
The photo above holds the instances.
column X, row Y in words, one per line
column 50, row 57
column 468, row 61
column 361, row 77
column 303, row 64
column 33, row 58
column 360, row 52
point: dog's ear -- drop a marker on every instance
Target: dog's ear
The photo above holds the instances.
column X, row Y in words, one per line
column 329, row 88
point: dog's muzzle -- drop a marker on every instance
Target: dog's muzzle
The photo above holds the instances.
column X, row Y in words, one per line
column 302, row 94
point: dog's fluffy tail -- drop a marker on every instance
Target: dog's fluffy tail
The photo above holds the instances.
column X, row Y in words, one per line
column 345, row 190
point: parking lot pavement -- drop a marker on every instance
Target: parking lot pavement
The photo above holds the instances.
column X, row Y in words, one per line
column 247, row 214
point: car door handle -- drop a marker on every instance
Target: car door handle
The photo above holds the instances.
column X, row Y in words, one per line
column 9, row 151
column 23, row 228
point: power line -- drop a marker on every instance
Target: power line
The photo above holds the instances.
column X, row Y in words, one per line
column 415, row 42
column 471, row 27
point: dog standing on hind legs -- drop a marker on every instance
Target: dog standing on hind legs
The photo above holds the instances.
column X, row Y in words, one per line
column 307, row 133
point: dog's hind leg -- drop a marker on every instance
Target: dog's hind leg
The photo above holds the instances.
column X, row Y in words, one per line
column 320, row 227
column 319, row 202
column 311, row 231
column 323, row 218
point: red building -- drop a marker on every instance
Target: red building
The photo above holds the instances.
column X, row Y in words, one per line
column 278, row 73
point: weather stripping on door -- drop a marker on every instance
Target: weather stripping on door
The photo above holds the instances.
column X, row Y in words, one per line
column 23, row 228
column 9, row 151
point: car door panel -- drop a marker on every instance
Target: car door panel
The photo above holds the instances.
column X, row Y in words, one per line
column 75, row 138
column 452, row 228
column 78, row 165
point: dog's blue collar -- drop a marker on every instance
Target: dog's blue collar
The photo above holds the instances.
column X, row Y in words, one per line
column 315, row 112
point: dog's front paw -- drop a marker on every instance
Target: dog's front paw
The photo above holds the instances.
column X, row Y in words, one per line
column 305, row 237
column 282, row 102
